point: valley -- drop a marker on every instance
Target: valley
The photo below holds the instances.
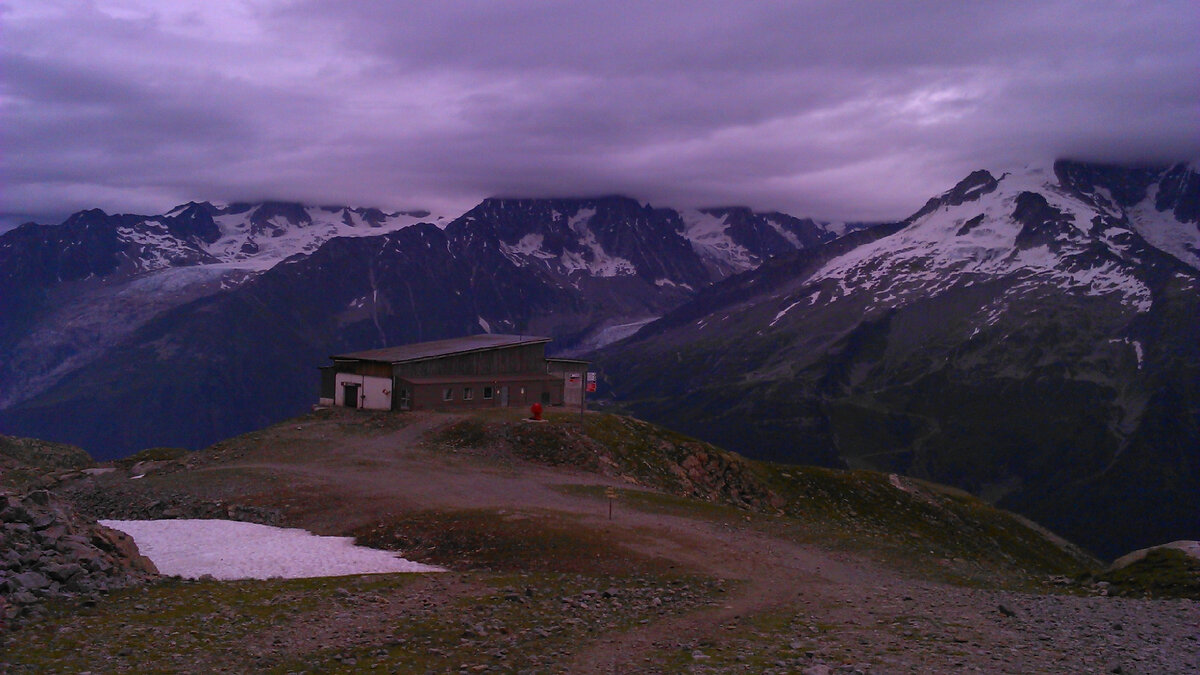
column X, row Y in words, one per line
column 1028, row 335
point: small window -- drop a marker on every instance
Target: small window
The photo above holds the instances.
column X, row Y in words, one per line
column 448, row 394
column 487, row 392
column 468, row 394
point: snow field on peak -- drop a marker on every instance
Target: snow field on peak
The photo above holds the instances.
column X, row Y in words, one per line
column 706, row 233
column 1163, row 231
column 930, row 256
column 600, row 264
column 283, row 239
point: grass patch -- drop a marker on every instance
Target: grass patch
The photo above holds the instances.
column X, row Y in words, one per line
column 1163, row 573
column 525, row 622
column 922, row 527
column 175, row 625
column 660, row 502
column 377, row 623
column 158, row 454
column 481, row 539
column 957, row 536
column 25, row 462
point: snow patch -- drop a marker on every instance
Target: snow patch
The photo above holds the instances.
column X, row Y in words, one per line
column 529, row 246
column 611, row 334
column 932, row 254
column 228, row 549
column 785, row 310
column 1137, row 349
column 1163, row 231
column 601, row 263
column 706, row 233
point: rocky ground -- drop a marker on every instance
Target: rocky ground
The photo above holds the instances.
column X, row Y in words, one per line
column 48, row 550
column 543, row 581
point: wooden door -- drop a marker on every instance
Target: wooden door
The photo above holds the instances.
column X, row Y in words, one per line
column 350, row 395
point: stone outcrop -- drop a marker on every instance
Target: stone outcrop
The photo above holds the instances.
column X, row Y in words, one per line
column 48, row 550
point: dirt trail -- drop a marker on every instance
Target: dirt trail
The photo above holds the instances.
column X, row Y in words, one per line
column 898, row 623
column 393, row 472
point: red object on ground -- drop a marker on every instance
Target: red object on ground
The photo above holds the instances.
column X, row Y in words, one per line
column 536, row 409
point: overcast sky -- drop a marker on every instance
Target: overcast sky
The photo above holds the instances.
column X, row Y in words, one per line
column 839, row 110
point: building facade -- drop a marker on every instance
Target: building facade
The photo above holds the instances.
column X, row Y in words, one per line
column 479, row 371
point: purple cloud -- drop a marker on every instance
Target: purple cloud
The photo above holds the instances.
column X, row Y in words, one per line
column 831, row 109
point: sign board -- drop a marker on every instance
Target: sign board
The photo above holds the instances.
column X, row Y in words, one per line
column 591, row 387
column 591, row 376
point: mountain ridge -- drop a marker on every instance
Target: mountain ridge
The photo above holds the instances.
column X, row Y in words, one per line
column 580, row 271
column 1018, row 319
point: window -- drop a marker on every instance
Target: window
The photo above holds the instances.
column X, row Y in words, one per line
column 487, row 392
column 468, row 394
column 448, row 394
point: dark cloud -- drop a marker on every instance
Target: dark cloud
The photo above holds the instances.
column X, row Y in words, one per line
column 834, row 109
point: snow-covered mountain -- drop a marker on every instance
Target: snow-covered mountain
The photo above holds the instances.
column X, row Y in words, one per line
column 738, row 239
column 68, row 292
column 86, row 299
column 1031, row 335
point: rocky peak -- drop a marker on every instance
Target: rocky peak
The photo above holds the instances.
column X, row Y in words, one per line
column 1179, row 192
column 266, row 218
column 1041, row 224
column 597, row 236
column 1126, row 185
column 194, row 220
column 755, row 232
column 971, row 188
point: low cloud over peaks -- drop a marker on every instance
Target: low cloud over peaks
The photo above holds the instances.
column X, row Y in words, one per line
column 837, row 110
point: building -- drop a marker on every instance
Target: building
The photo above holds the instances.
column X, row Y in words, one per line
column 479, row 371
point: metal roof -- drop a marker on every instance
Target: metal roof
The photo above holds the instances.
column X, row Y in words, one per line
column 437, row 348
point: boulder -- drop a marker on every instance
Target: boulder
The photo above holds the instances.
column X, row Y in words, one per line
column 29, row 581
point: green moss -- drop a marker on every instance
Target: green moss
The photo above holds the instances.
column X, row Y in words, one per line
column 158, row 454
column 660, row 502
column 35, row 455
column 923, row 527
column 1163, row 573
column 376, row 623
column 958, row 536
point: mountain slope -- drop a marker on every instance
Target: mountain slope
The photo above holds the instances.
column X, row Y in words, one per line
column 130, row 357
column 1018, row 336
column 69, row 292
